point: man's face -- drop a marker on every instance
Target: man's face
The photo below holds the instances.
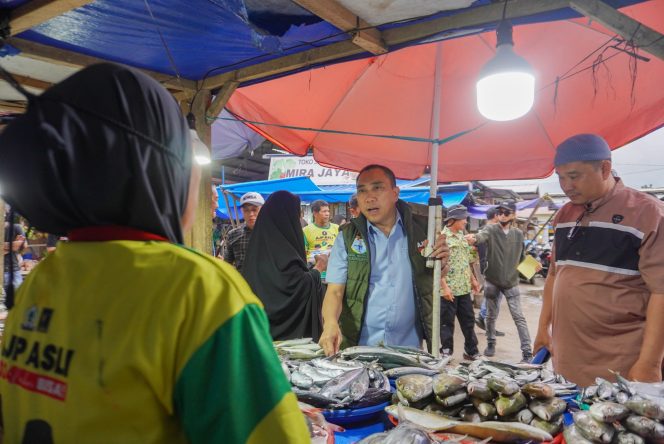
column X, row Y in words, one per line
column 458, row 225
column 250, row 213
column 583, row 182
column 376, row 198
column 322, row 217
column 505, row 215
column 354, row 212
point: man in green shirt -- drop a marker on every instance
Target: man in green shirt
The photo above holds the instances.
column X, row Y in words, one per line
column 320, row 235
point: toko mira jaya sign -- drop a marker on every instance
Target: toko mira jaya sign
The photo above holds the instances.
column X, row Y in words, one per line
column 283, row 167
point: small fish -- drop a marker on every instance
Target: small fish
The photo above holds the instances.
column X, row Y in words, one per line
column 645, row 407
column 647, row 428
column 453, row 399
column 480, row 389
column 398, row 372
column 415, row 387
column 508, row 405
column 593, row 430
column 547, row 409
column 573, row 436
column 606, row 390
column 552, row 427
column 628, row 438
column 539, row 390
column 445, row 384
column 503, row 386
column 484, row 408
column 525, row 416
column 622, row 397
column 608, row 411
column 301, row 380
column 469, row 414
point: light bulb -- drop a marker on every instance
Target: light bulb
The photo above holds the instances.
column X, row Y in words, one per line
column 506, row 85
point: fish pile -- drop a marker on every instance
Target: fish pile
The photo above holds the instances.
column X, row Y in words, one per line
column 320, row 431
column 489, row 393
column 334, row 382
column 623, row 413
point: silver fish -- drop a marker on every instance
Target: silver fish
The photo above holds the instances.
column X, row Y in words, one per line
column 608, row 411
column 341, row 383
column 593, row 430
column 647, row 428
column 445, row 384
column 415, row 387
column 628, row 438
column 646, row 407
column 397, row 372
column 301, row 380
column 573, row 436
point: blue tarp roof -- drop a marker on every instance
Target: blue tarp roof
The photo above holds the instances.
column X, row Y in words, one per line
column 208, row 37
column 308, row 191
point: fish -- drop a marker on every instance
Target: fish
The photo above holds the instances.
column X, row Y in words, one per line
column 507, row 405
column 359, row 386
column 313, row 398
column 547, row 409
column 389, row 358
column 506, row 432
column 336, row 364
column 552, row 427
column 628, row 438
column 480, row 389
column 415, row 387
column 646, row 407
column 503, row 386
column 573, row 436
column 376, row 438
column 445, row 384
column 539, row 390
column 293, row 342
column 469, row 414
column 608, row 411
column 397, row 372
column 650, row 430
column 301, row 380
column 525, row 416
column 453, row 399
column 341, row 383
column 373, row 396
column 592, row 429
column 527, row 377
column 484, row 408
column 605, row 389
column 319, row 376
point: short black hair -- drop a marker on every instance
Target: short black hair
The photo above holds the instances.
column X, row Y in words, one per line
column 317, row 205
column 491, row 213
column 388, row 172
column 352, row 202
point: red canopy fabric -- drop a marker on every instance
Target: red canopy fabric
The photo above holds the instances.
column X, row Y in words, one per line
column 621, row 99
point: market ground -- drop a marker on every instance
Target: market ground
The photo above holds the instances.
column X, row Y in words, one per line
column 508, row 347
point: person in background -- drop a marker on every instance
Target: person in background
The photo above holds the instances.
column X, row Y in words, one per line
column 303, row 221
column 319, row 236
column 154, row 342
column 11, row 250
column 353, row 208
column 238, row 238
column 505, row 252
column 379, row 287
column 339, row 219
column 480, row 321
column 604, row 293
column 456, row 287
column 276, row 270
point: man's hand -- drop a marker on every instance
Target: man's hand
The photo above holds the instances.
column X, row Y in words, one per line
column 321, row 262
column 645, row 372
column 470, row 238
column 440, row 249
column 475, row 285
column 447, row 295
column 330, row 340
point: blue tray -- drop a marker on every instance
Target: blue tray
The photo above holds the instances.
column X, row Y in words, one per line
column 354, row 416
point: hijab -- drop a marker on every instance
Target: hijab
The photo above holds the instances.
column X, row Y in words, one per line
column 277, row 271
column 106, row 146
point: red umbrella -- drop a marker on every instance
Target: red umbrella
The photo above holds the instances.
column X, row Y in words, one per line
column 587, row 81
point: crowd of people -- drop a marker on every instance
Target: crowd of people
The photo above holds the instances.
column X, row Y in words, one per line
column 159, row 343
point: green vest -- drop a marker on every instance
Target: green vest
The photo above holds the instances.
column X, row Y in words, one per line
column 359, row 271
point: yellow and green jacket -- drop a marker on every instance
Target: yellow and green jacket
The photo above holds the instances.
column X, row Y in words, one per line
column 141, row 342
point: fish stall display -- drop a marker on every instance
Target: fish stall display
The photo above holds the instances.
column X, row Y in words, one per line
column 624, row 412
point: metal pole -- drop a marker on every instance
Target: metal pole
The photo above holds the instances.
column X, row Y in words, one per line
column 435, row 204
column 228, row 207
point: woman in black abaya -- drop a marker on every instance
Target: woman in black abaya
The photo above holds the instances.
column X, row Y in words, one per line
column 276, row 269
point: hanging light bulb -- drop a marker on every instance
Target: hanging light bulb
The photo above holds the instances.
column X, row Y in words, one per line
column 506, row 85
column 201, row 151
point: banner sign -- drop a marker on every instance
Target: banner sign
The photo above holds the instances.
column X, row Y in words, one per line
column 294, row 166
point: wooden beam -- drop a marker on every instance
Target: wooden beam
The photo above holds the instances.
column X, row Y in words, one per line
column 474, row 17
column 29, row 81
column 220, row 101
column 644, row 38
column 73, row 59
column 364, row 35
column 36, row 12
column 14, row 107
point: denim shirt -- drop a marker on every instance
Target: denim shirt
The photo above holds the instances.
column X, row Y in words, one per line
column 391, row 315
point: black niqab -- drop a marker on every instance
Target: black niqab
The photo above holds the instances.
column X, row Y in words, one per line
column 277, row 271
column 106, row 146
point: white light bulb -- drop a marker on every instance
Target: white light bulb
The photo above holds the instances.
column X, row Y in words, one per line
column 505, row 96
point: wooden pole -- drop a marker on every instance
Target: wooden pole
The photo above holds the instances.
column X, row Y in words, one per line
column 200, row 237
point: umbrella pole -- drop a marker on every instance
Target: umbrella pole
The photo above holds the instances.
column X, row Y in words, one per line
column 435, row 205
